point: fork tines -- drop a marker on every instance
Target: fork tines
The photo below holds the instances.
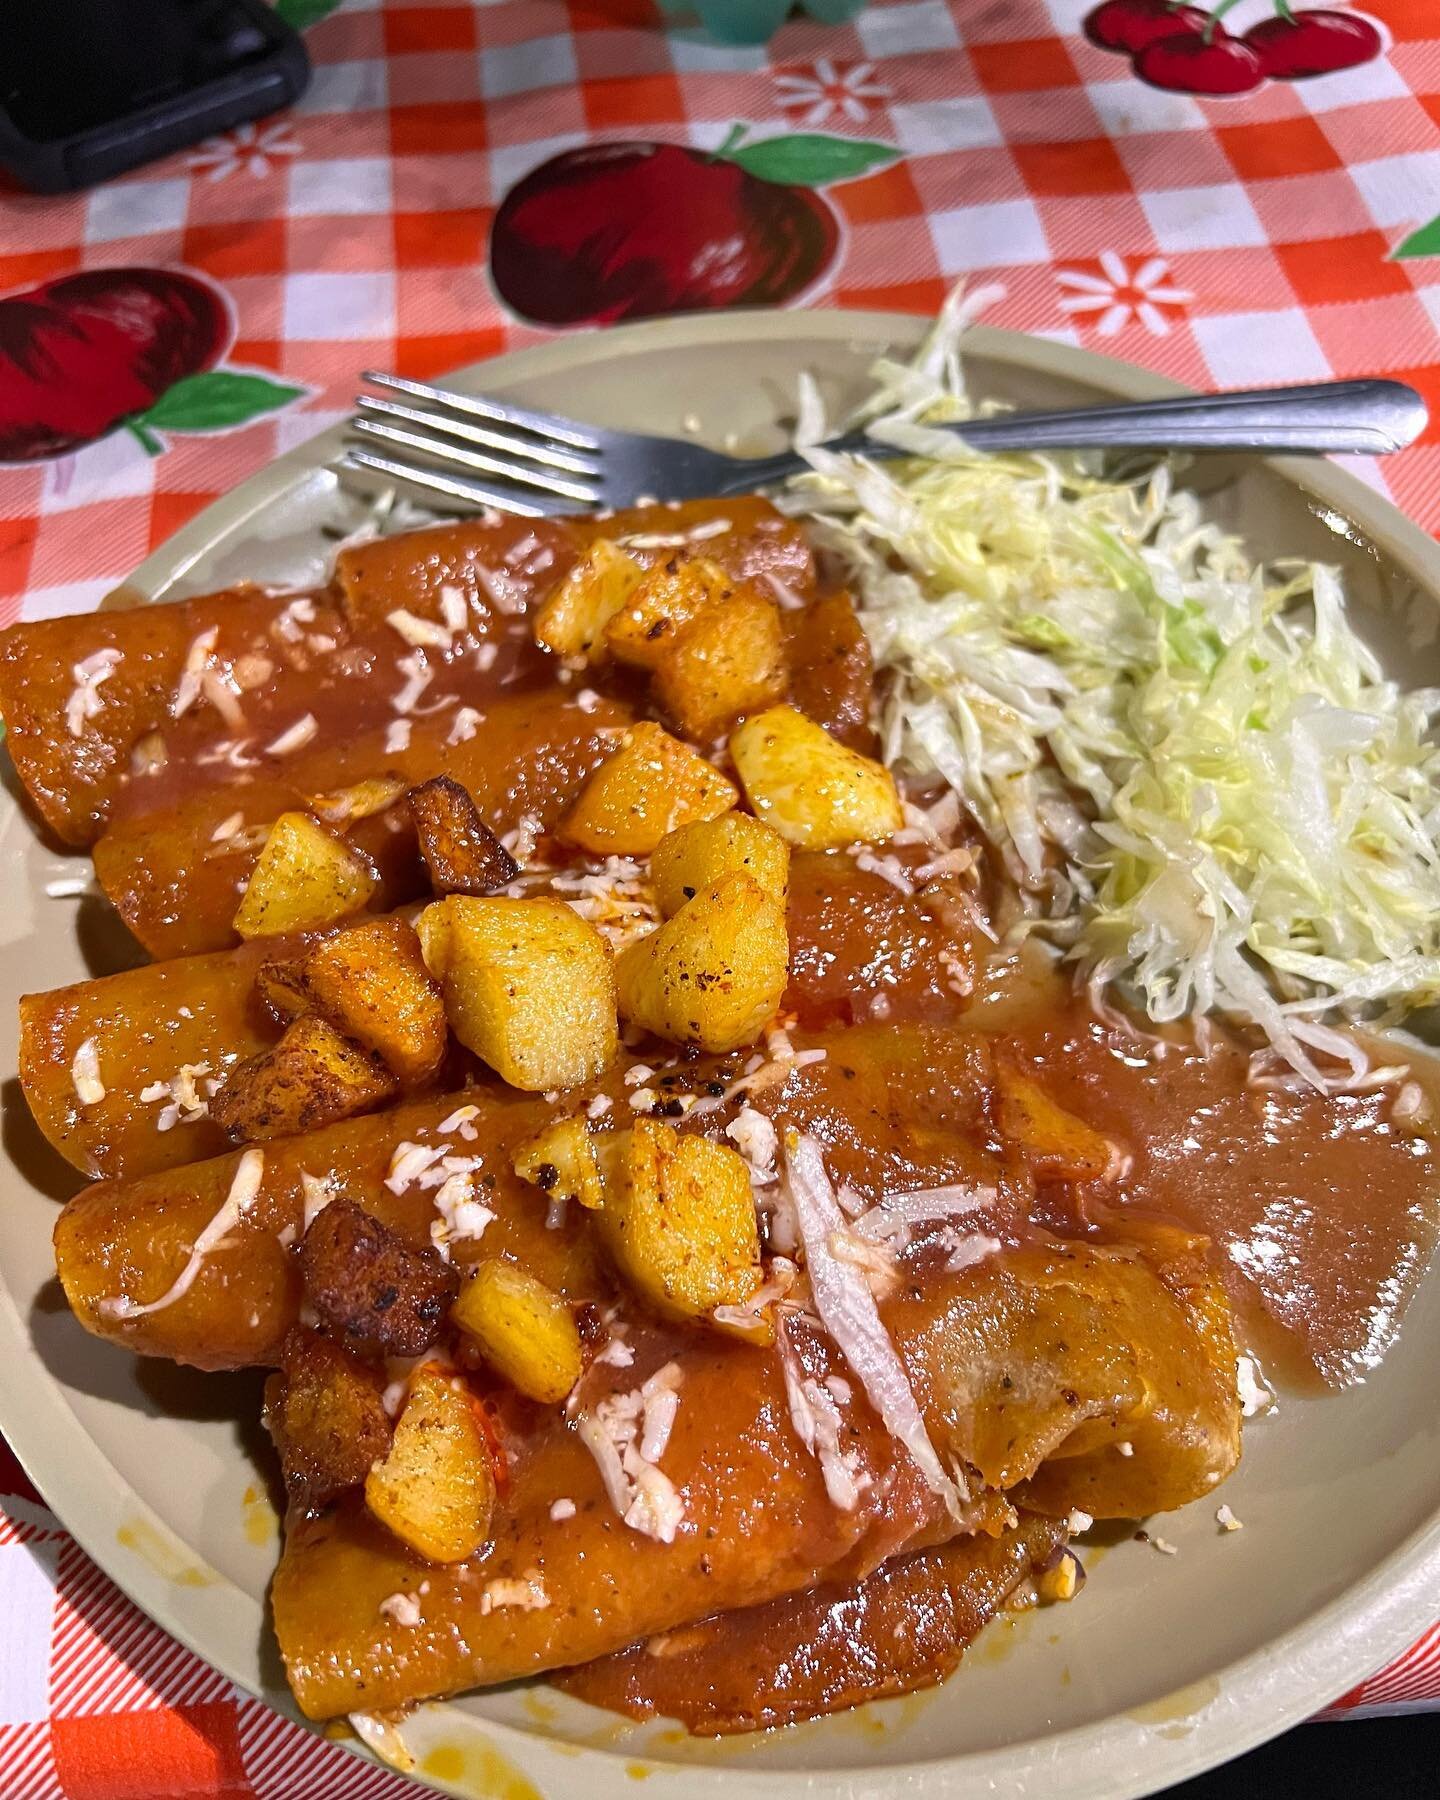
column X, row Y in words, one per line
column 537, row 456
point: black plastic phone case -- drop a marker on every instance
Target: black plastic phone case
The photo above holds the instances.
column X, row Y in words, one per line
column 91, row 88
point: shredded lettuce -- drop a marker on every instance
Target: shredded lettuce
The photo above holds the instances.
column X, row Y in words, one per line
column 1194, row 769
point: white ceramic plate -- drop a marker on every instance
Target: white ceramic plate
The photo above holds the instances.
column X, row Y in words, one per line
column 1165, row 1665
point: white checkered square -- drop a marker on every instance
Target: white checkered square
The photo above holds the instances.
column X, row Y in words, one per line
column 1218, row 217
column 1400, row 190
column 965, row 123
column 329, row 305
column 904, row 30
column 348, row 184
column 1261, row 349
column 344, row 87
column 1378, row 80
column 697, row 53
column 519, row 68
column 115, row 467
column 27, row 1604
column 987, row 237
column 135, row 209
column 1429, row 298
column 1131, row 109
column 49, row 603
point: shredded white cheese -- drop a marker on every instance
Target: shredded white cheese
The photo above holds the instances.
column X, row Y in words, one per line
column 86, row 702
column 235, row 1207
column 184, row 1104
column 461, row 1215
column 420, row 634
column 460, row 1121
column 527, row 1593
column 641, row 1493
column 295, row 738
column 1255, row 1397
column 464, row 725
column 754, row 1135
column 418, row 676
column 404, row 1609
column 397, row 736
column 317, row 1191
column 85, row 1074
column 1227, row 1521
column 561, row 1510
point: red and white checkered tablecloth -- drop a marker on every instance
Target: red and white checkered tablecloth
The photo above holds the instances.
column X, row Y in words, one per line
column 1287, row 232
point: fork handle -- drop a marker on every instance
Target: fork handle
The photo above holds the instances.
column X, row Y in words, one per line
column 1368, row 417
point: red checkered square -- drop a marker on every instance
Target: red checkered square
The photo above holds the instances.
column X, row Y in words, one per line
column 133, row 1756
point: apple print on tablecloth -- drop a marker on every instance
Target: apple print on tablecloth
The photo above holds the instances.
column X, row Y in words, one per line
column 130, row 348
column 632, row 230
column 1186, row 49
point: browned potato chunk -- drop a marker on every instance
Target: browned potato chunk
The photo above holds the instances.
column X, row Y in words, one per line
column 647, row 787
column 714, row 973
column 1055, row 1142
column 369, row 1288
column 314, row 1076
column 325, row 1413
column 561, row 1163
column 529, row 987
column 371, row 981
column 696, row 857
column 306, row 876
column 280, row 989
column 572, row 620
column 812, row 789
column 436, row 1488
column 679, row 1219
column 667, row 599
column 521, row 1327
column 728, row 661
column 461, row 852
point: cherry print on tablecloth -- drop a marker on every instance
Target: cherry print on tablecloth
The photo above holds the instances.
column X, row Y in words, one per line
column 135, row 347
column 633, row 230
column 1187, row 50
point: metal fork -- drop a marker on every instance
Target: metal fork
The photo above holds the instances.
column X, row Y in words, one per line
column 484, row 452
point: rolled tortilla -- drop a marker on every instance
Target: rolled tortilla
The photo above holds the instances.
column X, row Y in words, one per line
column 176, row 878
column 1056, row 1347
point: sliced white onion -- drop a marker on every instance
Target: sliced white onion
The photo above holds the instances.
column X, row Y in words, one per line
column 848, row 1312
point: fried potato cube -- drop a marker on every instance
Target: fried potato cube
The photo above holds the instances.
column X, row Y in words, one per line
column 679, row 1219
column 728, row 661
column 306, row 876
column 561, row 1162
column 371, row 982
column 368, row 1287
column 461, row 852
column 646, row 787
column 314, row 1076
column 280, row 989
column 325, row 1412
column 812, row 789
column 529, row 987
column 696, row 857
column 656, row 610
column 714, row 973
column 572, row 620
column 436, row 1488
column 523, row 1328
column 1055, row 1141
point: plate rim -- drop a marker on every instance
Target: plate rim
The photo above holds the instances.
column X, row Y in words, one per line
column 1263, row 1692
